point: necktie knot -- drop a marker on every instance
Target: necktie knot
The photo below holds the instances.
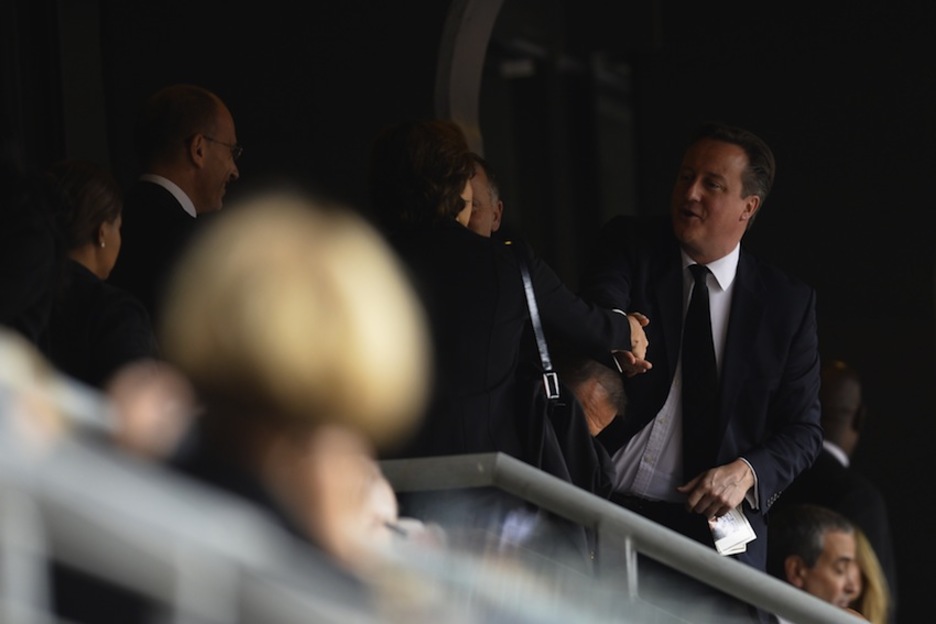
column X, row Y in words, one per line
column 699, row 273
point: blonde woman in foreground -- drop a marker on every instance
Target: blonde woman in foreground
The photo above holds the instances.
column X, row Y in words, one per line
column 307, row 351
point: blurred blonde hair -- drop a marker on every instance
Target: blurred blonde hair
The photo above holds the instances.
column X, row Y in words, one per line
column 292, row 312
column 874, row 600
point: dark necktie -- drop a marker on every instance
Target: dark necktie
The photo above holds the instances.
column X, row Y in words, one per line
column 700, row 380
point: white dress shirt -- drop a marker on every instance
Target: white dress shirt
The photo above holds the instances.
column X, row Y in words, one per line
column 183, row 199
column 650, row 465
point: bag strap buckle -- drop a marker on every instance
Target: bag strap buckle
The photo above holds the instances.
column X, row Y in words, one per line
column 551, row 384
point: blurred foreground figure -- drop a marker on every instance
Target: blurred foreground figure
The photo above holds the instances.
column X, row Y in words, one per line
column 275, row 321
column 154, row 407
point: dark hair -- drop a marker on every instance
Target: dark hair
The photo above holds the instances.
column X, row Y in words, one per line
column 90, row 197
column 493, row 181
column 170, row 117
column 800, row 530
column 418, row 170
column 758, row 178
column 576, row 369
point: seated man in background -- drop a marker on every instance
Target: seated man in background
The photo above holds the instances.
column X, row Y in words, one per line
column 813, row 548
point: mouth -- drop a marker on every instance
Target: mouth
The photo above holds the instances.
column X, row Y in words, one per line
column 688, row 213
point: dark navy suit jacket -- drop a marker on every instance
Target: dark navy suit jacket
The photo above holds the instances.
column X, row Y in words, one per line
column 769, row 409
column 155, row 229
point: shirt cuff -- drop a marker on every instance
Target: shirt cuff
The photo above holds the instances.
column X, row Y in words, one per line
column 751, row 496
column 617, row 364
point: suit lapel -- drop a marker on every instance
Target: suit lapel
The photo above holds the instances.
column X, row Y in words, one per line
column 744, row 325
column 669, row 302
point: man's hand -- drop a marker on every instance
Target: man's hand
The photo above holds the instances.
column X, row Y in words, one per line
column 715, row 492
column 639, row 342
column 634, row 362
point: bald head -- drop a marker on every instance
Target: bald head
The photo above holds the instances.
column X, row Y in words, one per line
column 170, row 117
column 185, row 133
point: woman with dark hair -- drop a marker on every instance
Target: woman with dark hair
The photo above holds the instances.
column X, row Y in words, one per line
column 95, row 328
column 419, row 175
column 472, row 289
column 473, row 292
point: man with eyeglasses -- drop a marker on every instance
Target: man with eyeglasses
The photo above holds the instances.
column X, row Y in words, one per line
column 187, row 146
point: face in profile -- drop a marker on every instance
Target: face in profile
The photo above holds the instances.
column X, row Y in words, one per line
column 467, row 195
column 708, row 209
column 486, row 209
column 832, row 577
column 220, row 166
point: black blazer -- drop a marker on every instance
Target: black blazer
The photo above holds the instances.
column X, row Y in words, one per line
column 769, row 412
column 473, row 293
column 155, row 229
column 96, row 328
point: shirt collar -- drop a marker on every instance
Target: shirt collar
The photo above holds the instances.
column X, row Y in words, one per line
column 836, row 452
column 724, row 269
column 183, row 199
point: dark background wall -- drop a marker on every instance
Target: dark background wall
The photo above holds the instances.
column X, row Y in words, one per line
column 584, row 112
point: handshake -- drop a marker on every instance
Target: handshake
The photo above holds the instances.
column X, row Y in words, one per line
column 634, row 362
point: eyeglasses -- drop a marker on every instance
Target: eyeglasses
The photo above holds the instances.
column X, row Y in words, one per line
column 236, row 149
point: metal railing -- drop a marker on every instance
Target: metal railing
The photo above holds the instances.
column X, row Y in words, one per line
column 197, row 554
column 638, row 534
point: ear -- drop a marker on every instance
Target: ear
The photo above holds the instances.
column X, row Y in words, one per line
column 498, row 212
column 751, row 204
column 795, row 569
column 859, row 418
column 198, row 150
column 99, row 237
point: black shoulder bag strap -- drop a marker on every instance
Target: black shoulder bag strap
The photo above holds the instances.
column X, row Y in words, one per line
column 550, row 378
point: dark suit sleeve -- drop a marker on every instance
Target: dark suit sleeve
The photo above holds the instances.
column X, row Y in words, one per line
column 590, row 328
column 794, row 435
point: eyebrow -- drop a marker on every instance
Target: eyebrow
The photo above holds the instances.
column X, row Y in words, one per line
column 710, row 174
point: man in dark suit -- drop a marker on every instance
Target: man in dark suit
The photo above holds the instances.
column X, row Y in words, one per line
column 832, row 482
column 187, row 145
column 762, row 426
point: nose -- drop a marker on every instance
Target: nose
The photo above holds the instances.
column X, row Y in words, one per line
column 235, row 174
column 852, row 584
column 693, row 189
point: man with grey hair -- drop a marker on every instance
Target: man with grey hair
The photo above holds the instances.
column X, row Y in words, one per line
column 813, row 548
column 487, row 207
